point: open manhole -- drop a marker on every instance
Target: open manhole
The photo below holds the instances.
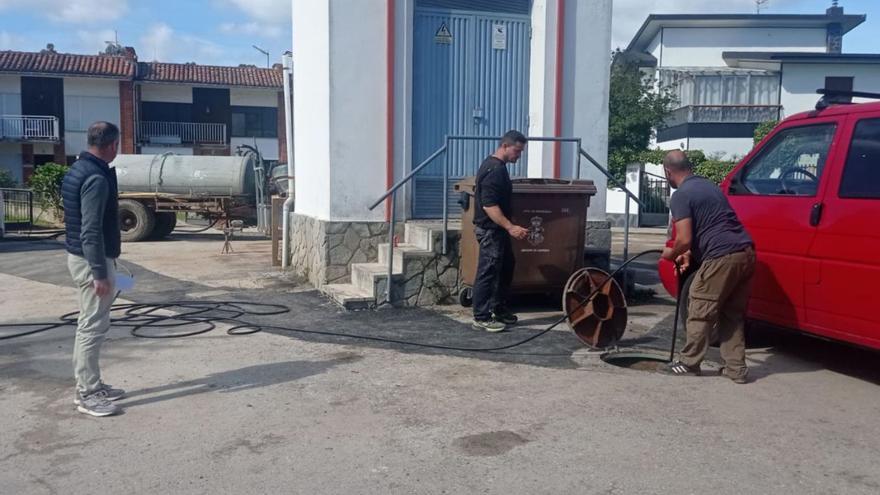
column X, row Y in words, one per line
column 641, row 361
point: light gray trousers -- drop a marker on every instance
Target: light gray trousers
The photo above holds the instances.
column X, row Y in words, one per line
column 93, row 323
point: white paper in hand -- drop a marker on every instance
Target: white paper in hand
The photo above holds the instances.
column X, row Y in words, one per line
column 124, row 283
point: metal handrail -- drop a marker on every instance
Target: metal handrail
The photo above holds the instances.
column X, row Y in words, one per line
column 187, row 132
column 393, row 190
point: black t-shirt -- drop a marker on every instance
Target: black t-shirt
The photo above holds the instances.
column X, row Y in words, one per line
column 717, row 229
column 493, row 189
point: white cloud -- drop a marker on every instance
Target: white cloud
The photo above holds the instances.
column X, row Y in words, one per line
column 161, row 43
column 630, row 14
column 70, row 11
column 12, row 41
column 93, row 41
column 267, row 11
column 253, row 28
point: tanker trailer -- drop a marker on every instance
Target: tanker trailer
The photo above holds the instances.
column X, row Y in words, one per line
column 154, row 188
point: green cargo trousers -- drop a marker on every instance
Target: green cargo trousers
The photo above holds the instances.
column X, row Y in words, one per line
column 718, row 296
column 92, row 325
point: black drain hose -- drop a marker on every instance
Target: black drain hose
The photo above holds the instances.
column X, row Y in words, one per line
column 677, row 310
column 141, row 316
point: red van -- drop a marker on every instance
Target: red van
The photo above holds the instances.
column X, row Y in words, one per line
column 809, row 194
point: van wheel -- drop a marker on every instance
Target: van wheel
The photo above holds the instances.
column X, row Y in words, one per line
column 136, row 221
column 165, row 223
column 466, row 297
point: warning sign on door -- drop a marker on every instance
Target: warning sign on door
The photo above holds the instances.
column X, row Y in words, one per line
column 443, row 36
column 499, row 36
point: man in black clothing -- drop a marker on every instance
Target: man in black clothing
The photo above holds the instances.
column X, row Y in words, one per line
column 494, row 229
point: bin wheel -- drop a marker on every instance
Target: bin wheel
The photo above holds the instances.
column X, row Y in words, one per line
column 466, row 297
column 136, row 221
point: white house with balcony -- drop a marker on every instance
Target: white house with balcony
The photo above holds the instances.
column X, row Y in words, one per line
column 48, row 100
column 730, row 72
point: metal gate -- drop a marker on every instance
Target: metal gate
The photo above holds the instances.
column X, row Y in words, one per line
column 654, row 192
column 470, row 77
column 18, row 208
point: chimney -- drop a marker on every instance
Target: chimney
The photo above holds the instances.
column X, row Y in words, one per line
column 834, row 31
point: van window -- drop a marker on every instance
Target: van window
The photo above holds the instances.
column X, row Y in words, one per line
column 791, row 163
column 861, row 176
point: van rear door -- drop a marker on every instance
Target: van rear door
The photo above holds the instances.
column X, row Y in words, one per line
column 774, row 192
column 844, row 302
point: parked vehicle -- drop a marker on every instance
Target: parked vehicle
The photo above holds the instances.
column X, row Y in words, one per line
column 809, row 194
column 153, row 189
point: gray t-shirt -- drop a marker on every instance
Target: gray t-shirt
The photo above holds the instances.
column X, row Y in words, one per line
column 717, row 230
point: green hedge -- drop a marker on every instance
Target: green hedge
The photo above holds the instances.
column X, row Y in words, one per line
column 6, row 179
column 710, row 168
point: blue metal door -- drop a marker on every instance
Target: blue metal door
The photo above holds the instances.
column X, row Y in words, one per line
column 470, row 77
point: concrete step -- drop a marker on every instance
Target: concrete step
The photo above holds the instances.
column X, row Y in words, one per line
column 368, row 277
column 402, row 252
column 349, row 297
column 428, row 235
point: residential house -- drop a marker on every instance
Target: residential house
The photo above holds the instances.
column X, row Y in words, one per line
column 49, row 99
column 730, row 72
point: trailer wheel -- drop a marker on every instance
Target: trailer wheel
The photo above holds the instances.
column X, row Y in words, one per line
column 136, row 221
column 466, row 297
column 165, row 223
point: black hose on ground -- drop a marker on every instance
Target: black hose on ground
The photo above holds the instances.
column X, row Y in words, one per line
column 142, row 316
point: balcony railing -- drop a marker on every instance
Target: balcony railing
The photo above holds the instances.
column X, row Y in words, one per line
column 29, row 128
column 705, row 114
column 181, row 133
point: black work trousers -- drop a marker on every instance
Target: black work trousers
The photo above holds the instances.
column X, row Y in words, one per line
column 494, row 271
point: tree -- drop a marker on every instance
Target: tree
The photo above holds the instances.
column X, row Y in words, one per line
column 46, row 183
column 636, row 110
column 763, row 129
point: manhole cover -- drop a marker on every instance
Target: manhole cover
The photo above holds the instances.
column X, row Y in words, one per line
column 641, row 361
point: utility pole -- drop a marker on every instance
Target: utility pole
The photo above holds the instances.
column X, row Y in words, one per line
column 264, row 52
column 760, row 4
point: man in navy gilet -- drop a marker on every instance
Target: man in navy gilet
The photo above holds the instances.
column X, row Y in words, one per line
column 91, row 218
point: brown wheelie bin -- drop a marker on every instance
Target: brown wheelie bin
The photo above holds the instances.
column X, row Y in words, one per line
column 555, row 213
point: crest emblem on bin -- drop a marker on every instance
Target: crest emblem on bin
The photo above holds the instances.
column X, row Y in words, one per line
column 536, row 231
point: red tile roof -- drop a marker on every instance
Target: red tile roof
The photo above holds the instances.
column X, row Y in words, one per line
column 209, row 74
column 127, row 67
column 44, row 62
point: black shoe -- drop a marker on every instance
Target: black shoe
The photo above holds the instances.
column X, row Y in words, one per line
column 505, row 316
column 739, row 379
column 677, row 368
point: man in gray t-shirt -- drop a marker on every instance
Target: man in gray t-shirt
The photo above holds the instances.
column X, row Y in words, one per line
column 709, row 234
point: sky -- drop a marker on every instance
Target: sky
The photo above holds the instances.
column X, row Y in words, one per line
column 222, row 32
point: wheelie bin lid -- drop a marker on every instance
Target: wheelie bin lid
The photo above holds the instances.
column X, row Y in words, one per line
column 537, row 186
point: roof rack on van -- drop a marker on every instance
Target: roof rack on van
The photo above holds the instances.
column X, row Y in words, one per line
column 841, row 97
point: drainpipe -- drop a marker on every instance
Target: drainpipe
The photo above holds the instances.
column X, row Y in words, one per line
column 389, row 103
column 557, row 131
column 287, row 61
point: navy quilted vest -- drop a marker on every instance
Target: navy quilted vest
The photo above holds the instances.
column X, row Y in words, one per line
column 87, row 166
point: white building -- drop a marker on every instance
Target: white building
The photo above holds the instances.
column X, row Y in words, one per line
column 732, row 72
column 377, row 86
column 48, row 100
